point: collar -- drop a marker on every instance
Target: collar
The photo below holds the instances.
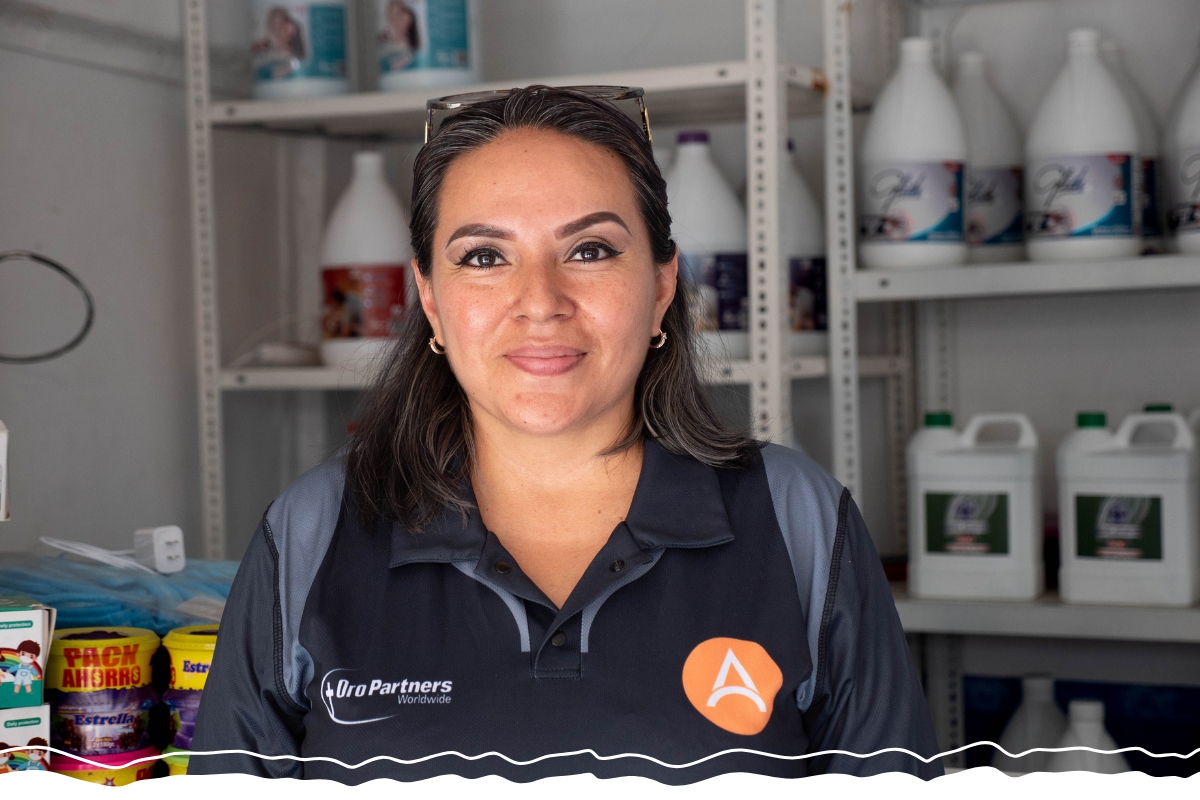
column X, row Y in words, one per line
column 678, row 502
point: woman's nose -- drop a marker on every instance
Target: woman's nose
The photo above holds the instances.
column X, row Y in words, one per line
column 540, row 292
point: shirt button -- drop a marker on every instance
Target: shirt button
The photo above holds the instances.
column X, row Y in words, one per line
column 617, row 565
column 503, row 567
column 558, row 639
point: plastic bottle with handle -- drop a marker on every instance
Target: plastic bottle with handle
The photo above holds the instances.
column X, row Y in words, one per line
column 1086, row 729
column 1182, row 156
column 1037, row 722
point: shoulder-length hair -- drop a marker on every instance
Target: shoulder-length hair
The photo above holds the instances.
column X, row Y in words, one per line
column 413, row 446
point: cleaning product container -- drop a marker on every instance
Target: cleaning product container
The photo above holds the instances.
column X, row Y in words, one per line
column 1183, row 168
column 112, row 770
column 974, row 511
column 803, row 242
column 364, row 270
column 1128, row 512
column 709, row 225
column 1086, row 729
column 98, row 684
column 911, row 214
column 423, row 43
column 995, row 204
column 1080, row 182
column 1150, row 198
column 1037, row 722
column 299, row 48
column 191, row 650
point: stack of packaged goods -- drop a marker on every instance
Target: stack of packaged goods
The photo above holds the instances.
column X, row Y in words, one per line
column 99, row 684
column 26, row 628
column 191, row 650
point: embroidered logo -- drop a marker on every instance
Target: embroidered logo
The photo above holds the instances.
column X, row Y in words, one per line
column 733, row 683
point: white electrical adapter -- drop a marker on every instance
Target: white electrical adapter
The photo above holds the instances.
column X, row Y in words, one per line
column 161, row 549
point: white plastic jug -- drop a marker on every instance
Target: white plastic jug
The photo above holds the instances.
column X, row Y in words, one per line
column 1037, row 722
column 974, row 510
column 911, row 203
column 365, row 273
column 426, row 43
column 1182, row 155
column 299, row 48
column 1080, row 184
column 1128, row 509
column 1086, row 729
column 802, row 238
column 1150, row 199
column 709, row 226
column 995, row 167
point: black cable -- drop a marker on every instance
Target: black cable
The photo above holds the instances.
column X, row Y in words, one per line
column 13, row 255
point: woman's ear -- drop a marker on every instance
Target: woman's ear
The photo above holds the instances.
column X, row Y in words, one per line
column 665, row 285
column 428, row 305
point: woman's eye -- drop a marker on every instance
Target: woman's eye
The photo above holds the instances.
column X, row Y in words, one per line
column 482, row 258
column 592, row 251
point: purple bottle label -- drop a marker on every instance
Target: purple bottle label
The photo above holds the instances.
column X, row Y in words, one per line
column 718, row 291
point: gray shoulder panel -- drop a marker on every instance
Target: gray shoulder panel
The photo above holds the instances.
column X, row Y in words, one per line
column 806, row 500
column 301, row 523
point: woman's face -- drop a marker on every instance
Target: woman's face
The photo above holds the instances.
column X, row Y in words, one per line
column 543, row 289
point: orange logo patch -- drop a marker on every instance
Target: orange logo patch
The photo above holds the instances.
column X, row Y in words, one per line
column 733, row 683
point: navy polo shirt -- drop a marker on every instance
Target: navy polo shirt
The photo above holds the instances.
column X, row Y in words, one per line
column 735, row 621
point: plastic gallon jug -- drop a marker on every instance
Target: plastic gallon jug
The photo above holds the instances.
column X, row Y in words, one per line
column 1128, row 513
column 426, row 43
column 299, row 48
column 1080, row 182
column 995, row 167
column 1149, row 163
column 364, row 269
column 1182, row 145
column 1086, row 729
column 803, row 242
column 974, row 511
column 709, row 226
column 1037, row 722
column 912, row 170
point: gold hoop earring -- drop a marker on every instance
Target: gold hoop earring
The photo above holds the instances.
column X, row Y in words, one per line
column 662, row 339
column 435, row 347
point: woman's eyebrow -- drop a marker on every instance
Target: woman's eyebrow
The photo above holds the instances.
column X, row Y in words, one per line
column 588, row 221
column 479, row 229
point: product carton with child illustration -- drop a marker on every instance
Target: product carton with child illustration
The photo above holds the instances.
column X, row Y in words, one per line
column 26, row 628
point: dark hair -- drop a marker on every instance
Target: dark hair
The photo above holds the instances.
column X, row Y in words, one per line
column 29, row 646
column 413, row 446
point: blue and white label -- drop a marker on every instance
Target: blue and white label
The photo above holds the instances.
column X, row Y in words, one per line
column 1185, row 192
column 918, row 201
column 423, row 34
column 298, row 40
column 1080, row 196
column 995, row 207
column 718, row 290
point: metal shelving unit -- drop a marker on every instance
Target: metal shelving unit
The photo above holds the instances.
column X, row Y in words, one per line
column 761, row 90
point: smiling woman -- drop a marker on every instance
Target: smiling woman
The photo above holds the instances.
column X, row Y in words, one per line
column 543, row 551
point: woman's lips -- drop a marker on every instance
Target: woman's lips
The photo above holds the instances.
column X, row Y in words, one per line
column 545, row 359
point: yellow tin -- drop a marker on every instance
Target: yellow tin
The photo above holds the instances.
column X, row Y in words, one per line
column 191, row 650
column 99, row 659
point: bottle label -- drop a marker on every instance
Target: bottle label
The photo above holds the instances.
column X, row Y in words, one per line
column 995, row 206
column 362, row 300
column 717, row 290
column 807, row 297
column 1118, row 527
column 919, row 201
column 423, row 34
column 966, row 524
column 1185, row 213
column 1151, row 209
column 1080, row 196
column 298, row 40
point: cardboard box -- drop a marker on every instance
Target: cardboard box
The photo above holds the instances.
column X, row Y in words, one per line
column 26, row 628
column 23, row 727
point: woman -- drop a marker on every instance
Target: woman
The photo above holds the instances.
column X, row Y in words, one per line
column 542, row 540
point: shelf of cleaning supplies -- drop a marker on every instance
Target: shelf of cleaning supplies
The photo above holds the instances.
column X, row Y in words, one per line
column 1031, row 278
column 336, row 378
column 1047, row 616
column 674, row 95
